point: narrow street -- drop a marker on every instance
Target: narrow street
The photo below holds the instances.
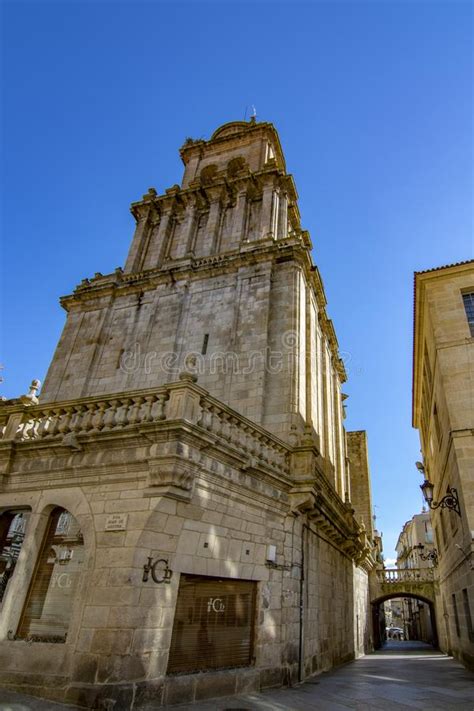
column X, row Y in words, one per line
column 403, row 675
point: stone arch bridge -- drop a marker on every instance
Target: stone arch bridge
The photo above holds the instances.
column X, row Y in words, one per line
column 389, row 583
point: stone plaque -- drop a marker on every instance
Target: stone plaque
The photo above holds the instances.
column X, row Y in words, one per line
column 116, row 522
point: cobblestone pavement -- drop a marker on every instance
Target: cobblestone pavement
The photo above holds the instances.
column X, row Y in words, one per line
column 403, row 675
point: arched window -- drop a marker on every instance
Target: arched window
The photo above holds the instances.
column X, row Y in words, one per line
column 49, row 602
column 12, row 533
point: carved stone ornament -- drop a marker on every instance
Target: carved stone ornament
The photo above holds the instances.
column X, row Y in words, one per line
column 302, row 499
column 172, row 477
column 31, row 398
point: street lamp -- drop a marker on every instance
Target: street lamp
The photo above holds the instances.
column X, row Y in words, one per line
column 449, row 501
column 431, row 555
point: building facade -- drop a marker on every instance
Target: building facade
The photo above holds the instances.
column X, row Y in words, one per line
column 443, row 412
column 183, row 496
column 416, row 551
column 415, row 547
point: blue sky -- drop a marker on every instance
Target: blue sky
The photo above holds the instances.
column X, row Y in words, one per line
column 373, row 104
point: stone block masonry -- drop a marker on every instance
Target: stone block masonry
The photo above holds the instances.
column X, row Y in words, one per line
column 182, row 484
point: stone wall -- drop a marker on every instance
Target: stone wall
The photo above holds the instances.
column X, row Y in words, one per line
column 219, row 287
column 361, row 495
column 185, row 479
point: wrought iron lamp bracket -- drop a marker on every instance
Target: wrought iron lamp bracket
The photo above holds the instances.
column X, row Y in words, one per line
column 431, row 555
column 449, row 501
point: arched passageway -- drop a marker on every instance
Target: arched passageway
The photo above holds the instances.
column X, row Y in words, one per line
column 404, row 616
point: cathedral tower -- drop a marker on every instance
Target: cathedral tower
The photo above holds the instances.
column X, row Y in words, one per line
column 176, row 509
column 219, row 280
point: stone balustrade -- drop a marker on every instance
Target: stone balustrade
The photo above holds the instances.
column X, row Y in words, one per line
column 405, row 575
column 178, row 401
column 254, row 441
column 91, row 415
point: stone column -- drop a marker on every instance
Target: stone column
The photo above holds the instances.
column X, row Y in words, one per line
column 266, row 214
column 283, row 217
column 339, row 457
column 186, row 231
column 275, row 214
column 142, row 212
column 240, row 214
column 214, row 196
column 159, row 242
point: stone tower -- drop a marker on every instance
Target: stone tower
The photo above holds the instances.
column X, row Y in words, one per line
column 219, row 280
column 180, row 499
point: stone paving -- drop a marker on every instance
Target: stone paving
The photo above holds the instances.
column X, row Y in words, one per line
column 403, row 675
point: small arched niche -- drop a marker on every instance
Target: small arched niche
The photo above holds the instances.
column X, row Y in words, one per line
column 208, row 174
column 235, row 166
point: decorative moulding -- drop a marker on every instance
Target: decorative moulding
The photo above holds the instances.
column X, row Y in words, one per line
column 172, row 476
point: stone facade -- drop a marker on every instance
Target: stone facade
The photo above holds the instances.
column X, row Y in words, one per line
column 416, row 551
column 191, row 422
column 416, row 531
column 443, row 411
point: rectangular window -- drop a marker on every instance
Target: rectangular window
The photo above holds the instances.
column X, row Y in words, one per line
column 456, row 616
column 469, row 306
column 467, row 612
column 213, row 625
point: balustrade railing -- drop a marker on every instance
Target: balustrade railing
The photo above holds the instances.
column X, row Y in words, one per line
column 95, row 415
column 405, row 575
column 242, row 434
column 87, row 416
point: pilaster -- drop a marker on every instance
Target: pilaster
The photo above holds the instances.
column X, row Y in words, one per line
column 240, row 213
column 158, row 246
column 146, row 215
column 265, row 228
column 216, row 197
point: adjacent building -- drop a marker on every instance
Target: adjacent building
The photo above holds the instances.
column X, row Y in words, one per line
column 415, row 551
column 415, row 548
column 187, row 497
column 443, row 412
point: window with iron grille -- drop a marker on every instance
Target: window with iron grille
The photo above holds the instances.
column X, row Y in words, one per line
column 213, row 625
column 469, row 306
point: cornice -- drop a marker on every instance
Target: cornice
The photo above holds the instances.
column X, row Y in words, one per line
column 152, row 202
column 118, row 283
column 456, row 267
